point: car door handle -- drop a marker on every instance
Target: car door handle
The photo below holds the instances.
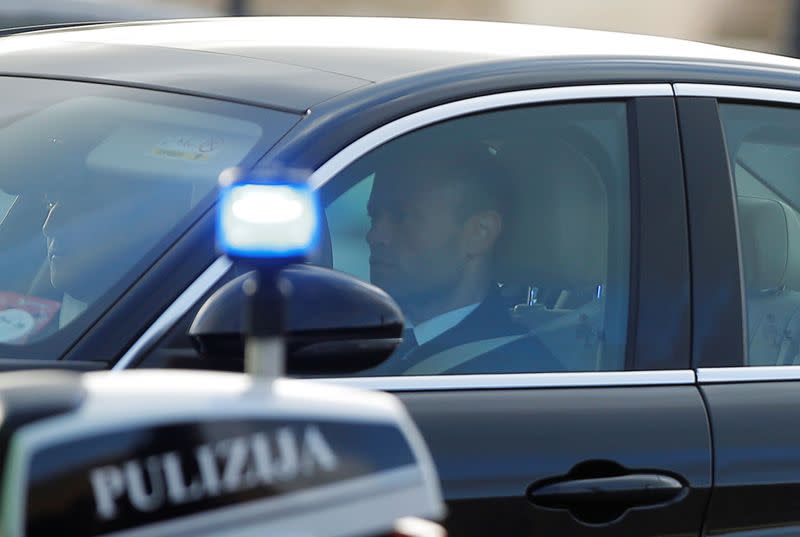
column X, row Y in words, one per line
column 621, row 492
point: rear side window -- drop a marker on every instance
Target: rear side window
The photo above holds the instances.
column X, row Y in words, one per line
column 504, row 236
column 763, row 145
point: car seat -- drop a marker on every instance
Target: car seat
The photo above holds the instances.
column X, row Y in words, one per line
column 770, row 239
column 558, row 240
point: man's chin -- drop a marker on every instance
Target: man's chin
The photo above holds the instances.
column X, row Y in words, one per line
column 379, row 277
column 383, row 283
column 398, row 293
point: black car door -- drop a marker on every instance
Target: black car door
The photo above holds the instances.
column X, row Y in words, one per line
column 614, row 441
column 742, row 151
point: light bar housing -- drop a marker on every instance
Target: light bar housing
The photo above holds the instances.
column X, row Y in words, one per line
column 268, row 221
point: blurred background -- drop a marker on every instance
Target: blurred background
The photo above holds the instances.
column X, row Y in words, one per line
column 764, row 25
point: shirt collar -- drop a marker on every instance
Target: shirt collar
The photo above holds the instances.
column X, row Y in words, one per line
column 428, row 330
column 70, row 308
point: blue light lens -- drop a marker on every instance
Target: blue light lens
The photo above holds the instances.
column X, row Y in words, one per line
column 268, row 220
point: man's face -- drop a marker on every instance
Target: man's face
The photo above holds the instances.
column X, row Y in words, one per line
column 415, row 238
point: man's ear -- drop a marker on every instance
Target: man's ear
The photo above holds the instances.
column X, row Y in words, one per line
column 481, row 232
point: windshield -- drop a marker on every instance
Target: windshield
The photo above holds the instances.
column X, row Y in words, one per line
column 96, row 182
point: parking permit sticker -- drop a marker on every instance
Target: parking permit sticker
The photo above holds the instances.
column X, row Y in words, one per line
column 23, row 316
column 195, row 148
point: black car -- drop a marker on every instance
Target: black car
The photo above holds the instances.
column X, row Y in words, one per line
column 595, row 239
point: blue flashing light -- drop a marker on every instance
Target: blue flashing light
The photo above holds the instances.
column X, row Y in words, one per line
column 268, row 221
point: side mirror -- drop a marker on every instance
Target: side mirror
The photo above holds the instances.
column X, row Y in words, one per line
column 335, row 323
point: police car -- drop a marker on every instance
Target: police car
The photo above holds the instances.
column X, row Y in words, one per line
column 168, row 453
column 592, row 239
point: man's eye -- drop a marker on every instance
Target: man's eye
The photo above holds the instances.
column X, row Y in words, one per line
column 408, row 213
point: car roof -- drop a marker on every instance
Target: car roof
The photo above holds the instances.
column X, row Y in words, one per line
column 296, row 62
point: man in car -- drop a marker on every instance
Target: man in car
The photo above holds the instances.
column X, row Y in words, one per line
column 437, row 218
column 96, row 229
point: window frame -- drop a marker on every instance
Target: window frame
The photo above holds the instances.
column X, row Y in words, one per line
column 665, row 362
column 731, row 367
column 655, row 153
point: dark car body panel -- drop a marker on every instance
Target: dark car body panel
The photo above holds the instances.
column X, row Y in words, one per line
column 757, row 460
column 486, row 464
column 660, row 337
column 718, row 308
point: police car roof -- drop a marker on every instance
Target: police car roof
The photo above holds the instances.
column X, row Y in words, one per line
column 296, row 62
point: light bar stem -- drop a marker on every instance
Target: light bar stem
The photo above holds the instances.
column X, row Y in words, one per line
column 265, row 347
column 265, row 357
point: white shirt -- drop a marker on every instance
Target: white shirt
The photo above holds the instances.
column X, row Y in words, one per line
column 436, row 326
column 70, row 308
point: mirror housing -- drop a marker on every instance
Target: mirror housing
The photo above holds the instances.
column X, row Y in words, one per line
column 335, row 323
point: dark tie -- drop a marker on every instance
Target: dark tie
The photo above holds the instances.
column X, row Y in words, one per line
column 407, row 346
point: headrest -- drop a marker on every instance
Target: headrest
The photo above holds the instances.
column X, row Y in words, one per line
column 559, row 235
column 770, row 235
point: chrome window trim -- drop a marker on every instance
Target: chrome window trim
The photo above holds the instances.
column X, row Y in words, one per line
column 748, row 93
column 717, row 375
column 455, row 109
column 175, row 311
column 519, row 380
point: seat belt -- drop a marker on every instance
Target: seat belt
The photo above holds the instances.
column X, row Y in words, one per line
column 455, row 356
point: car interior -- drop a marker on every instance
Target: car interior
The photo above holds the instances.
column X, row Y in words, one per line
column 562, row 264
column 561, row 275
column 764, row 155
column 565, row 214
column 770, row 238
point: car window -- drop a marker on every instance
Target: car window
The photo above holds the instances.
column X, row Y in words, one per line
column 763, row 145
column 97, row 182
column 504, row 237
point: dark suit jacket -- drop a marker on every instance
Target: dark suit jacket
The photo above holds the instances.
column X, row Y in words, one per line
column 491, row 319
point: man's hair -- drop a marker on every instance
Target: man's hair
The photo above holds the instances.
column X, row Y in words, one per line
column 474, row 167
